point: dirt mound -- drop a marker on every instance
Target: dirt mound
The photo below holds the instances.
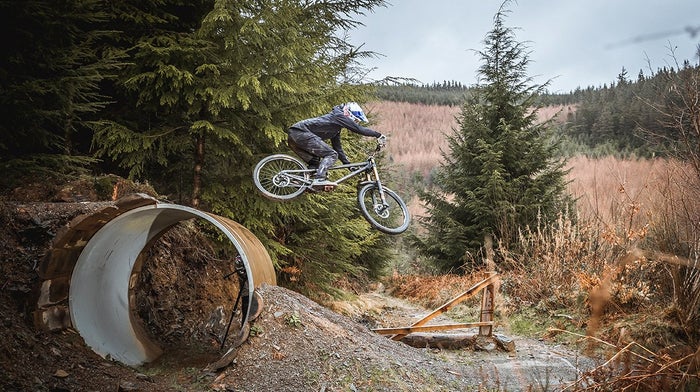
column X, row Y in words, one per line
column 30, row 359
column 299, row 345
column 187, row 290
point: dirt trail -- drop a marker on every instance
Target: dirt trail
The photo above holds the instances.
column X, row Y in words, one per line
column 534, row 363
column 303, row 346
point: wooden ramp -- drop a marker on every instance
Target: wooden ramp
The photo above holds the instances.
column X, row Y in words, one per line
column 485, row 324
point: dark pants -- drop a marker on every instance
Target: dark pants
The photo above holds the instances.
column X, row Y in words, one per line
column 312, row 149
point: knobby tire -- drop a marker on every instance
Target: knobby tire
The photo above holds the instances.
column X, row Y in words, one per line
column 395, row 220
column 274, row 185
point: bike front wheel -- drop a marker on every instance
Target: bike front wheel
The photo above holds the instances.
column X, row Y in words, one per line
column 390, row 216
column 280, row 177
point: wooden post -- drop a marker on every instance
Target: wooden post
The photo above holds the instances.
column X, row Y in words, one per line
column 487, row 311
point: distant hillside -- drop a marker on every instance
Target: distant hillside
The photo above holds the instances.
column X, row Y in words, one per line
column 619, row 118
column 450, row 93
column 417, row 131
column 453, row 93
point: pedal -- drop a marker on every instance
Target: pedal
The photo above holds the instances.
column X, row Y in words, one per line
column 323, row 188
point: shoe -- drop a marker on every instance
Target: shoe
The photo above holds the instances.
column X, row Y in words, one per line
column 323, row 182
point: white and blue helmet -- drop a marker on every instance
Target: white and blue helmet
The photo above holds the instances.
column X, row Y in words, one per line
column 355, row 112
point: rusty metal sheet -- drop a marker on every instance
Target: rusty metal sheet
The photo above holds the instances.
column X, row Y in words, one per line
column 99, row 300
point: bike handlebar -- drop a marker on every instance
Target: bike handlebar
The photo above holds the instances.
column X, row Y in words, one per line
column 381, row 142
column 379, row 148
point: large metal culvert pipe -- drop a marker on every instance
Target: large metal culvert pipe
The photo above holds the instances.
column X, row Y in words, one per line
column 99, row 303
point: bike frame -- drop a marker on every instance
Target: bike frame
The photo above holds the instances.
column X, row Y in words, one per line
column 368, row 167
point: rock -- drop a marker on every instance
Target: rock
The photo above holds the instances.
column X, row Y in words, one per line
column 484, row 343
column 144, row 377
column 504, row 342
column 127, row 386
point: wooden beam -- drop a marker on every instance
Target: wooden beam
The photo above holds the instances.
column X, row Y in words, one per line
column 425, row 328
column 447, row 306
column 487, row 310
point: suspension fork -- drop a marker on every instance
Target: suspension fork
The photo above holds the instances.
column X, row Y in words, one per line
column 377, row 181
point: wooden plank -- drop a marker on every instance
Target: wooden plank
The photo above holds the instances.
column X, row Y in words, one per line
column 447, row 306
column 424, row 328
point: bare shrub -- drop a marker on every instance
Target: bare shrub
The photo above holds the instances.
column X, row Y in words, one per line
column 630, row 264
column 675, row 233
column 549, row 262
column 594, row 266
column 634, row 367
column 655, row 208
column 431, row 291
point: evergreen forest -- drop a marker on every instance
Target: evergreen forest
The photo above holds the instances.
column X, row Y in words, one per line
column 187, row 97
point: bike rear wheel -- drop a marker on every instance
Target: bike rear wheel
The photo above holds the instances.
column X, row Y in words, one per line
column 280, row 177
column 391, row 217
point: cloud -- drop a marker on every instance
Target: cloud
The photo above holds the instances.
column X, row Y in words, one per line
column 580, row 43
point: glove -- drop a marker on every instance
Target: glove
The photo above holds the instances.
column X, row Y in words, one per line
column 381, row 140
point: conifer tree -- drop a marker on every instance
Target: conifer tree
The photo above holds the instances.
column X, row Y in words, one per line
column 210, row 97
column 51, row 67
column 500, row 173
column 225, row 85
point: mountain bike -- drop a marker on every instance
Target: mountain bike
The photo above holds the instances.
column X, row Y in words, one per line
column 282, row 177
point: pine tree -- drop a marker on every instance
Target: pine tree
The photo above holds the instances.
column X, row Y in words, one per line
column 500, row 173
column 225, row 85
column 51, row 67
column 160, row 115
column 208, row 97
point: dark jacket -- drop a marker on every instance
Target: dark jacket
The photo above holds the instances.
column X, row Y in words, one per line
column 329, row 125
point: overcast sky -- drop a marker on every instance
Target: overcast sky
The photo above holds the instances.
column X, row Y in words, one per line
column 577, row 43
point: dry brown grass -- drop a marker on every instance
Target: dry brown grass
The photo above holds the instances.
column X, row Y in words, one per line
column 431, row 291
column 633, row 367
column 557, row 113
column 609, row 188
column 627, row 270
column 416, row 132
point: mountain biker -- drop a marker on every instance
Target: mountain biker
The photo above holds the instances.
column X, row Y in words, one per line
column 306, row 138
